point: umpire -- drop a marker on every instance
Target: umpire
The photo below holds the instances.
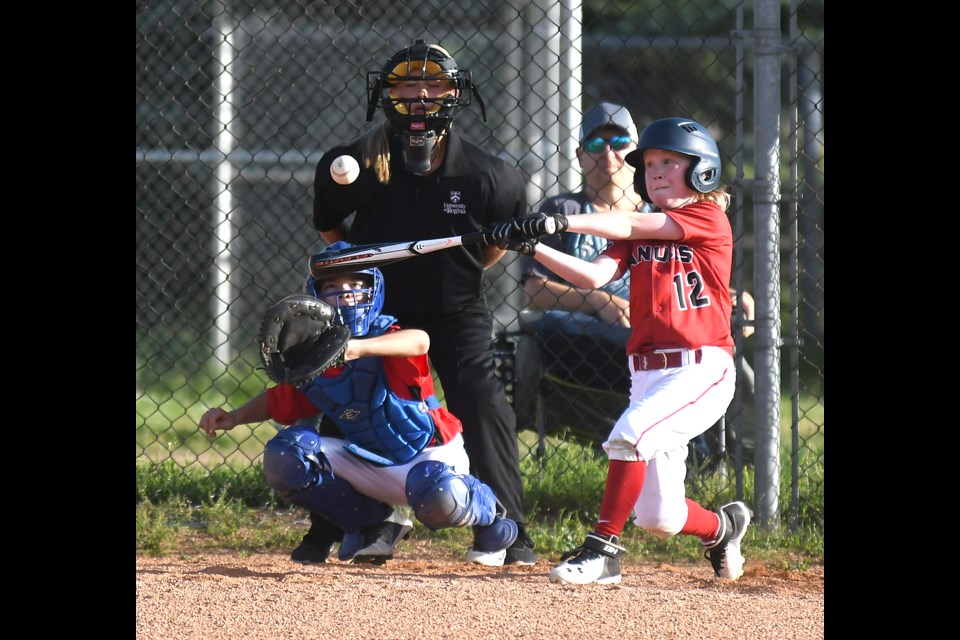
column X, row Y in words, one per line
column 419, row 179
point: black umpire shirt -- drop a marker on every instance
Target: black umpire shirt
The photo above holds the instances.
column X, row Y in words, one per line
column 471, row 190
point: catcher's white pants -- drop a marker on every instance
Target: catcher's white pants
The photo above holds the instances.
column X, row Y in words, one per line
column 388, row 484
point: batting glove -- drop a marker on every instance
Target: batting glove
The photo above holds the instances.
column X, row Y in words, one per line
column 535, row 226
column 501, row 234
column 523, row 246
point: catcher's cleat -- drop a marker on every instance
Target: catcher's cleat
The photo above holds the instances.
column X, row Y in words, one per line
column 309, row 553
column 596, row 560
column 724, row 551
column 317, row 544
column 375, row 543
column 486, row 558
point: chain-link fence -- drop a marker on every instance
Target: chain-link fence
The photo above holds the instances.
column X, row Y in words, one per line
column 237, row 101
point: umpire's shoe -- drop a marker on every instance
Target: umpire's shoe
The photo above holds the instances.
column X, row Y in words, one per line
column 724, row 551
column 596, row 560
column 521, row 552
column 374, row 543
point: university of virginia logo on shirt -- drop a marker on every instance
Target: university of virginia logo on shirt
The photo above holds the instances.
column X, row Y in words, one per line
column 454, row 206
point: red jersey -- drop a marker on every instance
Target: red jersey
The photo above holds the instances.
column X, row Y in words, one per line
column 679, row 289
column 287, row 404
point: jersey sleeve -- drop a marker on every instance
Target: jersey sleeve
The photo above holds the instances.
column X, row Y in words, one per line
column 702, row 223
column 287, row 405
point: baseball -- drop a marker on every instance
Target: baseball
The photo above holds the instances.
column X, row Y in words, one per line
column 344, row 169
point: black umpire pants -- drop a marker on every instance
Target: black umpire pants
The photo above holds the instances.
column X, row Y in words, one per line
column 461, row 352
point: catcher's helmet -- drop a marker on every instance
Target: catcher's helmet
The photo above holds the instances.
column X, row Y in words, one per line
column 368, row 302
column 421, row 61
column 683, row 136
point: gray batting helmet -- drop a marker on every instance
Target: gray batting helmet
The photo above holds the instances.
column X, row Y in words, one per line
column 683, row 136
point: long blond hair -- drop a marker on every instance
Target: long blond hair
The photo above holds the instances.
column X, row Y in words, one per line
column 718, row 196
column 375, row 150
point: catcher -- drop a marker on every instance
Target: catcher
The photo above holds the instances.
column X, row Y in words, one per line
column 333, row 352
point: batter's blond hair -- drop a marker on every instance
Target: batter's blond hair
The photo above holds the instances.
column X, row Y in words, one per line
column 718, row 196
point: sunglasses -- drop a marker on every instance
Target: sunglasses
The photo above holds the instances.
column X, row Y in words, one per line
column 598, row 144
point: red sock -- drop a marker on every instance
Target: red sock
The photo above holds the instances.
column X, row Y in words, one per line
column 700, row 522
column 620, row 494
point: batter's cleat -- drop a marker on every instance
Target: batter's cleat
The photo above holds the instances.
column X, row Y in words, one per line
column 724, row 551
column 521, row 553
column 490, row 543
column 374, row 544
column 596, row 560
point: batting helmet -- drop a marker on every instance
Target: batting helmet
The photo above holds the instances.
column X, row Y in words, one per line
column 683, row 136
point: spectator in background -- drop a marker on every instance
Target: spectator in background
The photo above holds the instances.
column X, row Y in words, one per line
column 581, row 332
column 420, row 179
column 586, row 329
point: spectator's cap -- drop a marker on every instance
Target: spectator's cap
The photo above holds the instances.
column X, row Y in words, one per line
column 607, row 114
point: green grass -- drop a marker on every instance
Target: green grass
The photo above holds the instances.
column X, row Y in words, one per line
column 192, row 510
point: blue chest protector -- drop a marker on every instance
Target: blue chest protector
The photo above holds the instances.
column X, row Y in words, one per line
column 370, row 415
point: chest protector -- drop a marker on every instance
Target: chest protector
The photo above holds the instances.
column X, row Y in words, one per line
column 370, row 415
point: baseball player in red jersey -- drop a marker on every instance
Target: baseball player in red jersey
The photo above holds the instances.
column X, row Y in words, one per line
column 680, row 351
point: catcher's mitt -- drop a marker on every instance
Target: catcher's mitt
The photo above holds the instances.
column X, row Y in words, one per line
column 298, row 341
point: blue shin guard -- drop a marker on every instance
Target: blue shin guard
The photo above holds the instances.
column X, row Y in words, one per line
column 441, row 498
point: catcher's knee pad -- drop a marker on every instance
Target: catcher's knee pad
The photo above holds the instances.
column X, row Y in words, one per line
column 292, row 460
column 441, row 498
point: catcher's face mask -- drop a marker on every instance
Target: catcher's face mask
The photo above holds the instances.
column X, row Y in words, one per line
column 356, row 308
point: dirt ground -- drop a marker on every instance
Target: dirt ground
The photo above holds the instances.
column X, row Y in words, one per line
column 417, row 596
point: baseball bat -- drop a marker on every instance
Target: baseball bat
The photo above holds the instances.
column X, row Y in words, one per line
column 366, row 256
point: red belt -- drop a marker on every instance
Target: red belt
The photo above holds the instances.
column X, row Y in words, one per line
column 665, row 359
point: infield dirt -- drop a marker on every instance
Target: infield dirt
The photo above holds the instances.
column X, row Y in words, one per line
column 417, row 595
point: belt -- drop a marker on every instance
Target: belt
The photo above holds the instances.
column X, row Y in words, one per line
column 666, row 359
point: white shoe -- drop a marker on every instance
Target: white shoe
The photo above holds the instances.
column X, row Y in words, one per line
column 596, row 560
column 487, row 558
column 724, row 552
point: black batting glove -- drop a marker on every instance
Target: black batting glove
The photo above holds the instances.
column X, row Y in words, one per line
column 536, row 225
column 523, row 246
column 562, row 222
column 501, row 234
